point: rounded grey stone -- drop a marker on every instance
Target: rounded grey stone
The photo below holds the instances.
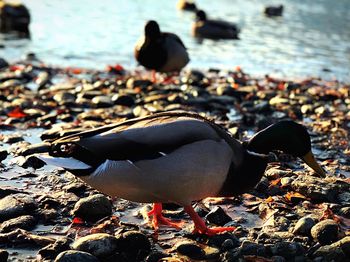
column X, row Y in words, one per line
column 93, row 208
column 99, row 245
column 325, row 232
column 75, row 256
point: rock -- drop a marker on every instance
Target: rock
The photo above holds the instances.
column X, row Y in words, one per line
column 3, row 255
column 75, row 256
column 100, row 245
column 338, row 251
column 3, row 63
column 220, row 239
column 16, row 205
column 227, row 245
column 24, row 222
column 344, row 198
column 190, row 249
column 156, row 256
column 123, row 100
column 11, row 139
column 93, row 208
column 14, row 17
column 51, row 251
column 304, row 225
column 345, row 211
column 218, row 216
column 251, row 248
column 3, row 155
column 132, row 242
column 30, row 161
column 102, row 101
column 325, row 232
column 287, row 250
column 278, row 259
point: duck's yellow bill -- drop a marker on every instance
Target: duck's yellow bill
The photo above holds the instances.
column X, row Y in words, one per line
column 310, row 160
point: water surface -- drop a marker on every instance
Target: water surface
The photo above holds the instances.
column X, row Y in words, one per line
column 311, row 38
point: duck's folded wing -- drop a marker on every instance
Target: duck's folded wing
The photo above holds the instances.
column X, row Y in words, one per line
column 143, row 138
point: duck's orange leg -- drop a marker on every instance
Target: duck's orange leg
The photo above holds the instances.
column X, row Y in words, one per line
column 199, row 224
column 159, row 219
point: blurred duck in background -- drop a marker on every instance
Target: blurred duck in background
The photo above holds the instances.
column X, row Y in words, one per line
column 273, row 10
column 14, row 17
column 160, row 51
column 186, row 5
column 203, row 27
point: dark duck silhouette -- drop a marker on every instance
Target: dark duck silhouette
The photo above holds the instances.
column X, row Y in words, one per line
column 186, row 5
column 175, row 157
column 14, row 17
column 203, row 27
column 273, row 10
column 161, row 51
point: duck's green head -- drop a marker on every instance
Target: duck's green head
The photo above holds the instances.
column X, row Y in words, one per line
column 289, row 137
column 201, row 15
column 152, row 29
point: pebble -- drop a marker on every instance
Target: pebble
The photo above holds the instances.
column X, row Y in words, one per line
column 30, row 161
column 218, row 216
column 338, row 251
column 24, row 222
column 3, row 255
column 16, row 205
column 100, row 245
column 226, row 239
column 3, row 155
column 134, row 244
column 3, row 63
column 75, row 256
column 190, row 249
column 287, row 250
column 93, row 208
column 325, row 232
column 51, row 251
column 304, row 225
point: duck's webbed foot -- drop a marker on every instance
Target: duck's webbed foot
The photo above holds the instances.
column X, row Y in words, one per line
column 201, row 228
column 158, row 219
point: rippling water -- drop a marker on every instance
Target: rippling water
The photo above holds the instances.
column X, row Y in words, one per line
column 311, row 38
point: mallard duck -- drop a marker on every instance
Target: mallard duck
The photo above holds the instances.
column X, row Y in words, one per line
column 160, row 51
column 175, row 157
column 14, row 17
column 273, row 10
column 186, row 5
column 202, row 27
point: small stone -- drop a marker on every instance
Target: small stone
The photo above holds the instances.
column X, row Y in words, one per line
column 286, row 181
column 75, row 256
column 287, row 249
column 102, row 101
column 344, row 198
column 251, row 248
column 190, row 249
column 345, row 211
column 3, row 64
column 132, row 242
column 3, row 155
column 325, row 232
column 338, row 251
column 51, row 251
column 123, row 100
column 219, row 240
column 278, row 259
column 218, row 216
column 16, row 205
column 227, row 245
column 100, row 245
column 3, row 255
column 156, row 256
column 93, row 208
column 31, row 161
column 11, row 139
column 24, row 222
column 303, row 226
